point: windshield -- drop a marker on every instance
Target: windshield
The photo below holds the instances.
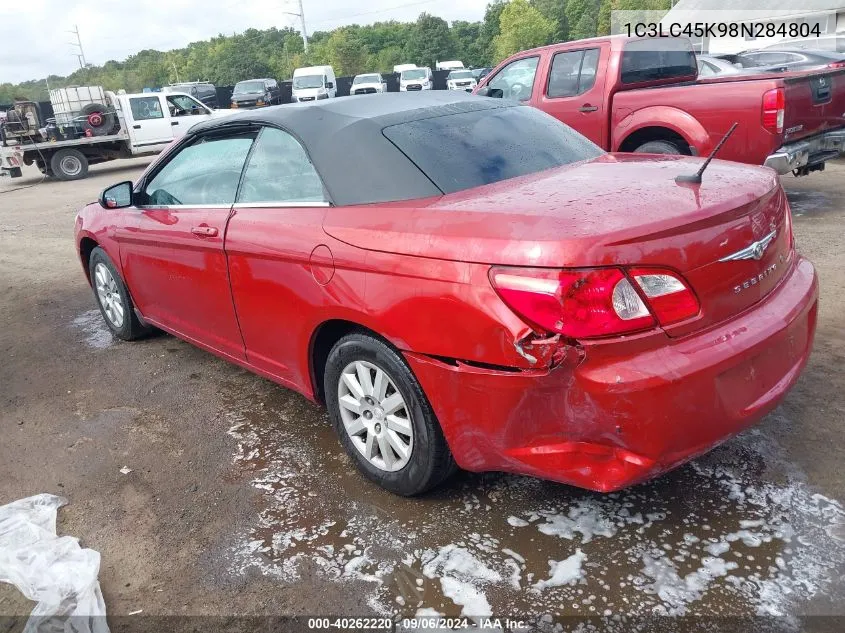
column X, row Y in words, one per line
column 249, row 86
column 308, row 81
column 460, row 74
column 367, row 79
column 487, row 146
column 416, row 73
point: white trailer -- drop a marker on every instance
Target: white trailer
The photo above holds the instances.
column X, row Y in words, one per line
column 148, row 122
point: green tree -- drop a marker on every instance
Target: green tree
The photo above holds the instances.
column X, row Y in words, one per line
column 468, row 45
column 555, row 10
column 582, row 17
column 490, row 29
column 430, row 41
column 346, row 53
column 521, row 26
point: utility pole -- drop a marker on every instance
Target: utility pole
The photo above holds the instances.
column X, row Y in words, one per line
column 301, row 16
column 81, row 55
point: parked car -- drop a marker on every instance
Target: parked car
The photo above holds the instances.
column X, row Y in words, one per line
column 476, row 284
column 460, row 80
column 450, row 65
column 480, row 73
column 368, row 84
column 202, row 90
column 640, row 95
column 256, row 93
column 414, row 79
column 398, row 68
column 791, row 60
column 314, row 83
column 710, row 66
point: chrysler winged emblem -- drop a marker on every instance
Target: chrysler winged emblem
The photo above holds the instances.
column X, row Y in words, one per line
column 755, row 250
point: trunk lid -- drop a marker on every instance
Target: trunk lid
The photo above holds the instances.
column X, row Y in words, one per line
column 618, row 210
column 815, row 103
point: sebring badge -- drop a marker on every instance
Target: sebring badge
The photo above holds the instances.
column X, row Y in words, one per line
column 755, row 250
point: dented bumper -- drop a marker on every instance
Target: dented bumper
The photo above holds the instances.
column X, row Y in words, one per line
column 627, row 410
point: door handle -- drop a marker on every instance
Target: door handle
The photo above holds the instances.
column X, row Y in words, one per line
column 136, row 127
column 587, row 108
column 204, row 231
column 174, row 123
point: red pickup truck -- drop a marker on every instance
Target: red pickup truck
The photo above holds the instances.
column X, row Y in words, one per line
column 644, row 95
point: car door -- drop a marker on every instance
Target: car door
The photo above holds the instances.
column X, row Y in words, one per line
column 278, row 261
column 515, row 80
column 574, row 91
column 185, row 112
column 150, row 122
column 174, row 261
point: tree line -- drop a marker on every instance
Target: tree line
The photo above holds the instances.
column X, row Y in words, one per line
column 508, row 26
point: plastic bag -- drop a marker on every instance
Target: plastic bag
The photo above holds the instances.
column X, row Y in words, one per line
column 49, row 569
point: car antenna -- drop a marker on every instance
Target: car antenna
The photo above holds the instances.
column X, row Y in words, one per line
column 696, row 177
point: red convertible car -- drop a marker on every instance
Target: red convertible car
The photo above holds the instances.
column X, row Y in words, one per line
column 466, row 282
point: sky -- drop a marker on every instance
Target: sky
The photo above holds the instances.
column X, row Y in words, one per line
column 36, row 42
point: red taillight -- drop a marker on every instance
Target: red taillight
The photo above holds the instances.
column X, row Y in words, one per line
column 669, row 297
column 836, row 64
column 594, row 302
column 774, row 106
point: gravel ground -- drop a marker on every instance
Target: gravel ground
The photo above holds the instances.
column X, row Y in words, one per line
column 240, row 500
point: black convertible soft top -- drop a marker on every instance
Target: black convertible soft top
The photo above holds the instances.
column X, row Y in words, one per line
column 344, row 139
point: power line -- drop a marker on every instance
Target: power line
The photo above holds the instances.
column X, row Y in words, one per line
column 385, row 10
column 81, row 54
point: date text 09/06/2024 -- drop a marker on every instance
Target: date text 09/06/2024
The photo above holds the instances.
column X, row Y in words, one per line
column 422, row 623
column 748, row 30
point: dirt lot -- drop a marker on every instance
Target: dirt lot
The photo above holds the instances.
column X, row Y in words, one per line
column 240, row 500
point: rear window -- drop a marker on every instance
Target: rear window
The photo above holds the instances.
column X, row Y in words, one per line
column 470, row 149
column 657, row 58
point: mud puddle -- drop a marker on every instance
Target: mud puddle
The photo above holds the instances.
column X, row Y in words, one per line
column 738, row 532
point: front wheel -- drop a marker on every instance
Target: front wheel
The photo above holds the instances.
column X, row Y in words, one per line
column 113, row 298
column 383, row 418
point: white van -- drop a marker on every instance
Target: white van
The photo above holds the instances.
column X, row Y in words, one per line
column 416, row 79
column 398, row 68
column 313, row 83
column 452, row 65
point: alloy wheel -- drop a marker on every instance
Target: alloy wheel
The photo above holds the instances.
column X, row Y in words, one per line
column 109, row 295
column 375, row 416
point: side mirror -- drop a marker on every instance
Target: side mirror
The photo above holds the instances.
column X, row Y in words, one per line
column 329, row 85
column 487, row 91
column 117, row 196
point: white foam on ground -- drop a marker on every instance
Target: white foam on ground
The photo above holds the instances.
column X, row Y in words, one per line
column 97, row 334
column 563, row 572
column 738, row 531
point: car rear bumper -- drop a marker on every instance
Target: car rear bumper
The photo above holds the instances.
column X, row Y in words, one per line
column 613, row 420
column 807, row 152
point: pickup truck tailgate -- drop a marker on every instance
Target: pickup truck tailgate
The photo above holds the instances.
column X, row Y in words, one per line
column 815, row 103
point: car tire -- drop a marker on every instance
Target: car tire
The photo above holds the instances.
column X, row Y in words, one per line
column 659, row 147
column 113, row 298
column 428, row 461
column 69, row 164
column 107, row 119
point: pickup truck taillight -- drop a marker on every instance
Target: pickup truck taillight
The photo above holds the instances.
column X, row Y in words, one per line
column 594, row 302
column 774, row 105
column 836, row 65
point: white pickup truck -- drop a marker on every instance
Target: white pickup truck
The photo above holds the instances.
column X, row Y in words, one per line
column 148, row 122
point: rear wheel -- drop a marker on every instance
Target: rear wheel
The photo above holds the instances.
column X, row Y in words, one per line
column 383, row 418
column 69, row 164
column 113, row 298
column 659, row 147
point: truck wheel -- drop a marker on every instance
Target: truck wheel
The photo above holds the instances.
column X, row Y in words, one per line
column 98, row 119
column 659, row 147
column 69, row 164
